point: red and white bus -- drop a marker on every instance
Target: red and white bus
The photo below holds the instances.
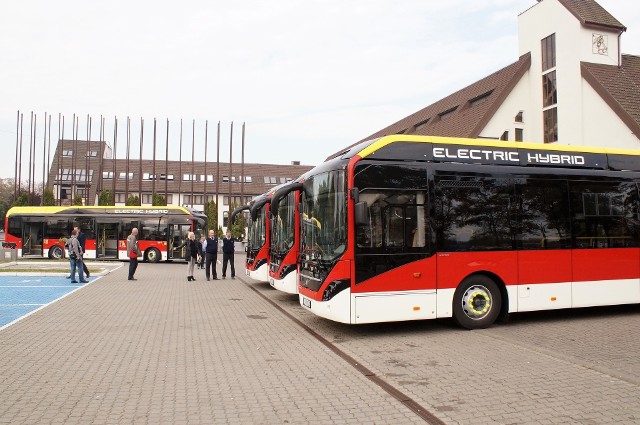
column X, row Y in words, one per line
column 41, row 231
column 258, row 238
column 416, row 227
column 285, row 238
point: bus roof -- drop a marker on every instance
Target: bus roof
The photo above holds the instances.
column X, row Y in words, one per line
column 494, row 152
column 88, row 210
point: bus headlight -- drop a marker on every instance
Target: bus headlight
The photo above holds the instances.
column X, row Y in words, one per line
column 335, row 288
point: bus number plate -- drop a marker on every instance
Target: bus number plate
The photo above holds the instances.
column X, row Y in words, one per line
column 306, row 302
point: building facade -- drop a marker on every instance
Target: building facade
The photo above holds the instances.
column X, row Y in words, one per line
column 571, row 85
column 84, row 169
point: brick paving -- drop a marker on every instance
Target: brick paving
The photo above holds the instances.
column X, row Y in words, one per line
column 162, row 350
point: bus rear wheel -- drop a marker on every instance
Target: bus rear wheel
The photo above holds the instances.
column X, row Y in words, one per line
column 153, row 255
column 55, row 252
column 477, row 302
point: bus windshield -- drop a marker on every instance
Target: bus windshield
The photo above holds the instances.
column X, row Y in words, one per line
column 257, row 231
column 324, row 216
column 282, row 236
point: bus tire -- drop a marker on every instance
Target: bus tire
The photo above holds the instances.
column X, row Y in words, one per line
column 152, row 255
column 477, row 302
column 56, row 252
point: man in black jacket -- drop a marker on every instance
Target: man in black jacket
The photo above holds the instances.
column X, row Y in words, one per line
column 228, row 248
column 82, row 239
column 211, row 251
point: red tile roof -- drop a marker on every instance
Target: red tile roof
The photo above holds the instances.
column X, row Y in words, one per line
column 464, row 113
column 619, row 87
column 590, row 13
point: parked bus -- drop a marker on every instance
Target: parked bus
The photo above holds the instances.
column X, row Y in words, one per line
column 285, row 238
column 41, row 231
column 416, row 227
column 258, row 237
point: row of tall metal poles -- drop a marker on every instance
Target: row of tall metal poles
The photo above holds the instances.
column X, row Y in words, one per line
column 46, row 155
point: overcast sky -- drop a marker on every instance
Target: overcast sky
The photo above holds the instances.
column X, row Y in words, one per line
column 307, row 78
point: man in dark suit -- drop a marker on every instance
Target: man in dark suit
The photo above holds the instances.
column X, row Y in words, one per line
column 211, row 252
column 82, row 239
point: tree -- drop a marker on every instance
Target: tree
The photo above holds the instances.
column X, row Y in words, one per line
column 133, row 201
column 21, row 201
column 77, row 200
column 238, row 226
column 48, row 198
column 211, row 211
column 105, row 198
column 220, row 232
column 158, row 200
column 6, row 196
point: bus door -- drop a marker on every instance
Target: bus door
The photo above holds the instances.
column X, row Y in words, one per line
column 177, row 235
column 32, row 238
column 107, row 240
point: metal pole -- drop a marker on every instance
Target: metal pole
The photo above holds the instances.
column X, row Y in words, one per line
column 49, row 156
column 126, row 183
column 140, row 165
column 153, row 182
column 166, row 167
column 193, row 144
column 44, row 157
column 20, row 160
column 115, row 154
column 15, row 170
column 101, row 144
column 30, row 156
column 230, row 173
column 86, row 162
column 180, row 167
column 206, row 141
column 242, row 168
column 60, row 149
column 218, row 178
column 74, row 131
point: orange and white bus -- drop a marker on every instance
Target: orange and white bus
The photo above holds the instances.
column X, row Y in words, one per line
column 41, row 231
column 417, row 227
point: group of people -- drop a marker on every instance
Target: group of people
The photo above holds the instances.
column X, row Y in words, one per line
column 205, row 253
column 75, row 247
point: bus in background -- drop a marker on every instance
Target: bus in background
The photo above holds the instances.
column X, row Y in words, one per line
column 418, row 227
column 285, row 238
column 41, row 231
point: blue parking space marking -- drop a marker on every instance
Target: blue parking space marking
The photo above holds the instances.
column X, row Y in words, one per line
column 22, row 295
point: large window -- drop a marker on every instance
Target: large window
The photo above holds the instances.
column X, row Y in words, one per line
column 548, row 52
column 604, row 215
column 549, row 92
column 550, row 119
column 474, row 213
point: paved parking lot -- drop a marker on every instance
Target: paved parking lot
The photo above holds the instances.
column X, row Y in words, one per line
column 162, row 350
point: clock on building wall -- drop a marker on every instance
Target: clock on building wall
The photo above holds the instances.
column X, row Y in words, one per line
column 600, row 44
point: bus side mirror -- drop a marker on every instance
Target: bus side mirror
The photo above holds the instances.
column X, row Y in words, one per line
column 361, row 214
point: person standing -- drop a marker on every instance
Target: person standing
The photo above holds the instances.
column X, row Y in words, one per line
column 190, row 254
column 211, row 255
column 82, row 239
column 228, row 248
column 133, row 251
column 201, row 252
column 75, row 257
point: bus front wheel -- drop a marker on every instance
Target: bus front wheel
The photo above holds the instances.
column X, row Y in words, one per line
column 55, row 252
column 477, row 302
column 153, row 255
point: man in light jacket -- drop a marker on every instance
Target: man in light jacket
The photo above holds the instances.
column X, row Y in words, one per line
column 133, row 251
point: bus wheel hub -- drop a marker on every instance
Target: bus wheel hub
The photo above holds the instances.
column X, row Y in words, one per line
column 476, row 302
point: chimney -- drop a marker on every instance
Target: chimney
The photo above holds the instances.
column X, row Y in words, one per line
column 295, row 162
